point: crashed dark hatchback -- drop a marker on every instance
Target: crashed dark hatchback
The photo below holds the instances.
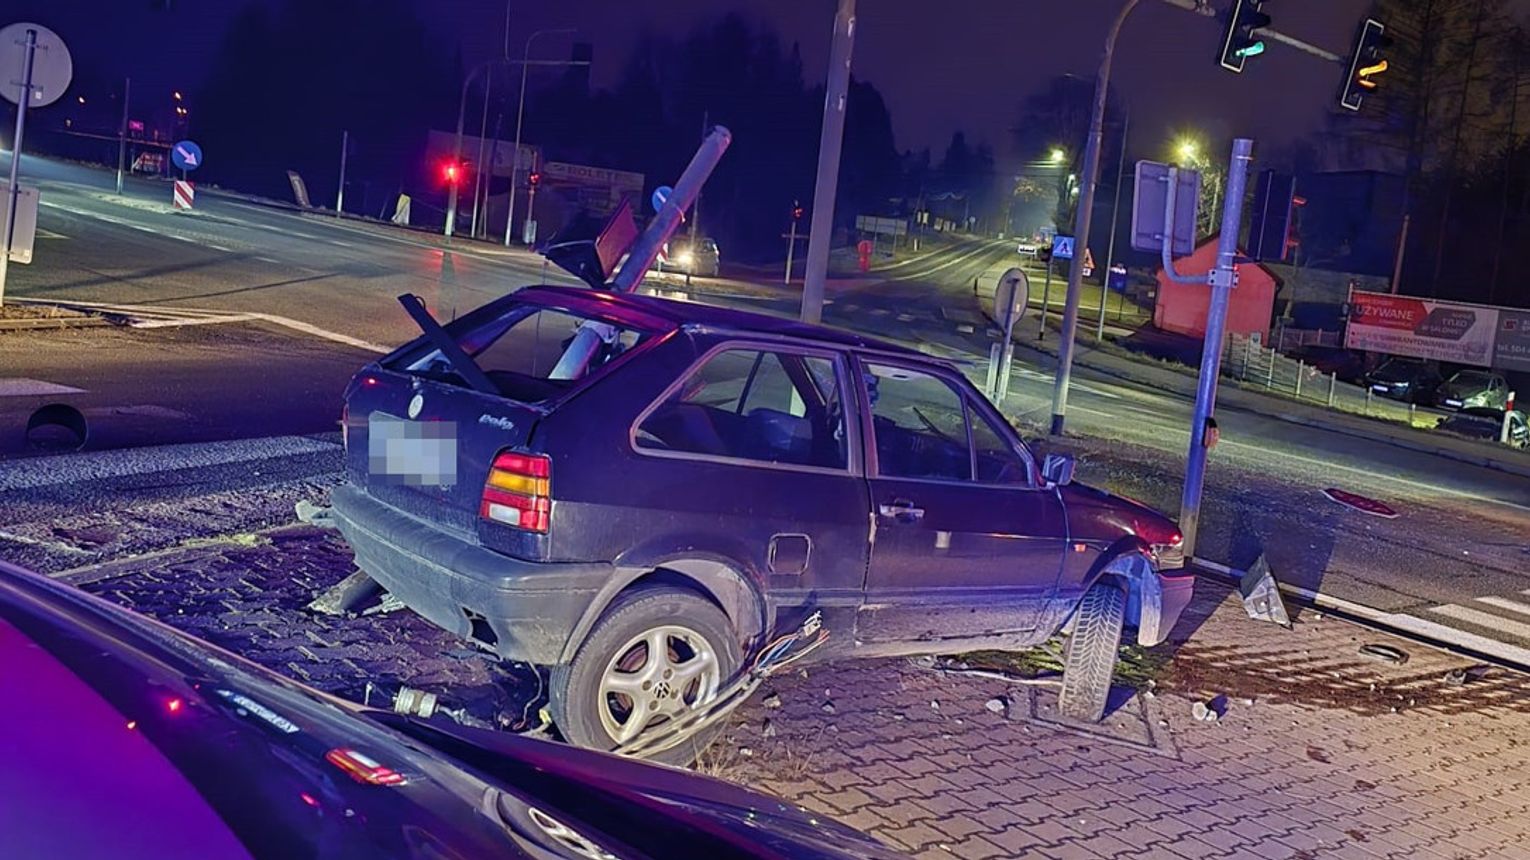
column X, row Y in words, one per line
column 137, row 741
column 643, row 494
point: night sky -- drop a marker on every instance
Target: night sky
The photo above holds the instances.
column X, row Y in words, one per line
column 964, row 64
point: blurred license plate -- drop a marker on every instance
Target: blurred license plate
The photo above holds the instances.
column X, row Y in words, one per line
column 413, row 453
column 1379, row 389
column 1454, row 404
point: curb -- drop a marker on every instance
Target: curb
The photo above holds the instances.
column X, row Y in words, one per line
column 1406, row 442
column 1401, row 624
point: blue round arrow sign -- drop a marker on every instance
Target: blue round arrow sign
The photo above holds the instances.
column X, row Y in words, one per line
column 660, row 195
column 186, row 155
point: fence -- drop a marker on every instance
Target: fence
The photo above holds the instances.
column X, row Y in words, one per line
column 1255, row 366
column 1289, row 338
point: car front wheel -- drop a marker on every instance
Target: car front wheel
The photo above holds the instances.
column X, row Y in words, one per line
column 655, row 654
column 1089, row 660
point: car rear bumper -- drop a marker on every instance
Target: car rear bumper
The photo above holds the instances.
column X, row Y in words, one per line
column 1164, row 598
column 525, row 610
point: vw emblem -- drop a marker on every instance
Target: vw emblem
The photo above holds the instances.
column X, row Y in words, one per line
column 415, row 405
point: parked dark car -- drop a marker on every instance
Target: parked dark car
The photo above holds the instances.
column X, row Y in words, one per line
column 1485, row 422
column 1470, row 388
column 1330, row 361
column 129, row 740
column 641, row 493
column 1411, row 380
column 701, row 257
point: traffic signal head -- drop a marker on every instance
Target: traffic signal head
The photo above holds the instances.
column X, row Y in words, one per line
column 796, row 211
column 1366, row 65
column 1238, row 40
column 451, row 172
column 534, row 179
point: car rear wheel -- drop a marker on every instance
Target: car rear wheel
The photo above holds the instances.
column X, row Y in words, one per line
column 1089, row 660
column 655, row 654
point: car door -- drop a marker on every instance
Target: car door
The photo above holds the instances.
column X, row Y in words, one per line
column 748, row 457
column 966, row 540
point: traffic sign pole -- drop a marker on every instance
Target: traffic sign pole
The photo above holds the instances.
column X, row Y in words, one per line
column 14, row 190
column 1222, row 279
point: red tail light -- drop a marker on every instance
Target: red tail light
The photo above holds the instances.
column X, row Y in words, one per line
column 363, row 768
column 518, row 491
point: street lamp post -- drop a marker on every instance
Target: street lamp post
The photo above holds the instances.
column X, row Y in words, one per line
column 1115, row 221
column 520, row 113
column 1085, row 213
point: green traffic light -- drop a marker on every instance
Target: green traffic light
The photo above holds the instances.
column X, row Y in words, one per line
column 1252, row 50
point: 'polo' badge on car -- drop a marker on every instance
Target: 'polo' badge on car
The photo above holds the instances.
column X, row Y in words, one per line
column 416, row 403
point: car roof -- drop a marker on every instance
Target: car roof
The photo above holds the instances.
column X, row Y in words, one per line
column 652, row 311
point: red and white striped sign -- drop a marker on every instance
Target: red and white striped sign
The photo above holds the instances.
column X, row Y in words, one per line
column 183, row 194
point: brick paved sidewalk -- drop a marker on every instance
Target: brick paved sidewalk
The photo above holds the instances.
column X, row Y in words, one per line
column 1322, row 752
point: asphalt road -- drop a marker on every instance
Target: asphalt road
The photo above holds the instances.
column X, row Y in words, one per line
column 1458, row 555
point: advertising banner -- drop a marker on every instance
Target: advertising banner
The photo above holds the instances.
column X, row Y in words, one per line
column 1422, row 328
column 1513, row 349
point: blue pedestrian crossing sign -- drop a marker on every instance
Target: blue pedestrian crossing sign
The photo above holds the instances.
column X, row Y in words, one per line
column 186, row 155
column 1062, row 247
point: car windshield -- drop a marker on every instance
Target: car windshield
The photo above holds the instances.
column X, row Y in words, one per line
column 1472, row 378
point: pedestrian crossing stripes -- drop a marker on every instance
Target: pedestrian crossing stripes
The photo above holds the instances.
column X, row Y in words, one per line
column 18, row 387
column 1486, row 620
column 1510, row 605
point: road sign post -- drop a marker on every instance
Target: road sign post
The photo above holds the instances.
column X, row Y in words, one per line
column 1222, row 279
column 35, row 69
column 1009, row 299
column 1046, row 298
column 122, row 131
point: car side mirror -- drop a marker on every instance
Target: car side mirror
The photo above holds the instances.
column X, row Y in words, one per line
column 1058, row 469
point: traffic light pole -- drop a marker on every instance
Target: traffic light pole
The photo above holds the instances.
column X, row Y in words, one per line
column 830, row 141
column 1222, row 279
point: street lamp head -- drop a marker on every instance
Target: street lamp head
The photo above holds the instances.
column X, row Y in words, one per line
column 1058, row 155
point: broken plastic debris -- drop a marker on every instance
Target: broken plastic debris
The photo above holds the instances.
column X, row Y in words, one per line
column 997, row 705
column 772, row 701
column 1261, row 595
column 1457, row 677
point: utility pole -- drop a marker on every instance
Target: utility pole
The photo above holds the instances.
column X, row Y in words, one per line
column 520, row 115
column 830, row 141
column 345, row 145
column 1082, row 221
column 1115, row 219
column 1085, row 211
column 478, row 178
column 127, row 88
column 1222, row 279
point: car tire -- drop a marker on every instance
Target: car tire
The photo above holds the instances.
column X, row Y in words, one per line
column 617, row 646
column 1089, row 660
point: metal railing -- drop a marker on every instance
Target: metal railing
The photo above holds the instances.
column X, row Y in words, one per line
column 1257, row 367
column 1290, row 338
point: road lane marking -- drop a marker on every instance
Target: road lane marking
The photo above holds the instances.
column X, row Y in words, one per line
column 1408, row 482
column 18, row 387
column 1502, row 603
column 905, row 317
column 1477, row 618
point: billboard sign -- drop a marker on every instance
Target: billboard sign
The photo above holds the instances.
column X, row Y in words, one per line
column 1512, row 351
column 1421, row 328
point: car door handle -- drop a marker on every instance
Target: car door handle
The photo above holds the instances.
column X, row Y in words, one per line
column 901, row 511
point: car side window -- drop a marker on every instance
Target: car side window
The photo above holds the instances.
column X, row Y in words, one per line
column 751, row 404
column 995, row 459
column 919, row 423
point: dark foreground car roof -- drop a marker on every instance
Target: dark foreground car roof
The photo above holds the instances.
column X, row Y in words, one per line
column 648, row 310
column 137, row 741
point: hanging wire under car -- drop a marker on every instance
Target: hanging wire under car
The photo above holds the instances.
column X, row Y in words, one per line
column 774, row 657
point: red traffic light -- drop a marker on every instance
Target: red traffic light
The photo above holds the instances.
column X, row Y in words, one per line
column 451, row 172
column 534, row 179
